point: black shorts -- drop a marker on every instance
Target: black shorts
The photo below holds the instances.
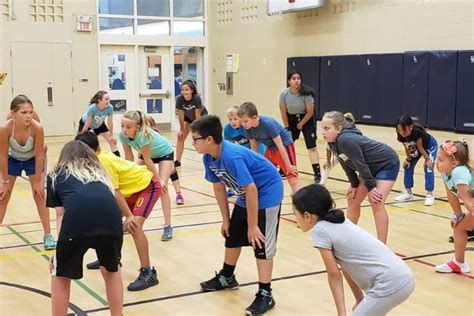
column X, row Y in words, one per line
column 69, row 256
column 163, row 158
column 268, row 222
column 99, row 130
column 309, row 129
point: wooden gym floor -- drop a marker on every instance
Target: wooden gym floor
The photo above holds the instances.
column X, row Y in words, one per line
column 417, row 233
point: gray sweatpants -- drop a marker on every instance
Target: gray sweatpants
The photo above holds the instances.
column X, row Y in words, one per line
column 379, row 306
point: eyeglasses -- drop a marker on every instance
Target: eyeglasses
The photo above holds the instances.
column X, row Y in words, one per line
column 197, row 138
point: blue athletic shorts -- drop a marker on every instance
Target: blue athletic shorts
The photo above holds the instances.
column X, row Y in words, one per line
column 15, row 166
column 389, row 173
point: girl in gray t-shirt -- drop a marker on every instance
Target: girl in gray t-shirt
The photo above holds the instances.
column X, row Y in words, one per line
column 379, row 279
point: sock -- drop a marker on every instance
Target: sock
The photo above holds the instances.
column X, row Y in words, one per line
column 227, row 270
column 409, row 191
column 149, row 269
column 117, row 153
column 430, row 193
column 317, row 169
column 265, row 286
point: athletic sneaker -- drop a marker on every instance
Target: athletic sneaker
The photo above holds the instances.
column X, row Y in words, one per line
column 179, row 199
column 324, row 177
column 429, row 200
column 404, row 197
column 263, row 303
column 167, row 233
column 144, row 280
column 49, row 243
column 453, row 266
column 220, row 282
column 470, row 236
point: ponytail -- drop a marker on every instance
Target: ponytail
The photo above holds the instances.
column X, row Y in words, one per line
column 306, row 91
column 335, row 216
column 140, row 119
column 97, row 97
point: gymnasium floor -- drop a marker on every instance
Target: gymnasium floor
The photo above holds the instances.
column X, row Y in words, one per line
column 417, row 233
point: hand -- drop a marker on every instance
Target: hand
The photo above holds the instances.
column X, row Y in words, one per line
column 351, row 193
column 292, row 170
column 130, row 224
column 255, row 236
column 326, row 166
column 225, row 228
column 375, row 196
column 429, row 164
column 180, row 134
column 38, row 190
column 164, row 189
column 51, row 263
column 113, row 140
column 4, row 190
column 299, row 126
column 406, row 164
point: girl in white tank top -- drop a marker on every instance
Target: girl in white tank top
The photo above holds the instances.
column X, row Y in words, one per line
column 22, row 149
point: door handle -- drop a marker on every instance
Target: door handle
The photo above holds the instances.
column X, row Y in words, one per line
column 49, row 91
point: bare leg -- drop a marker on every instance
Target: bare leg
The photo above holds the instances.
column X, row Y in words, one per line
column 294, row 184
column 379, row 211
column 60, row 293
column 141, row 243
column 165, row 168
column 6, row 197
column 107, row 137
column 180, row 143
column 43, row 211
column 231, row 255
column 114, row 290
column 354, row 202
column 265, row 268
column 460, row 237
column 313, row 155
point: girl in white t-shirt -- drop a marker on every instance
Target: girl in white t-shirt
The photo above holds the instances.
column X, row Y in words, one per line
column 453, row 164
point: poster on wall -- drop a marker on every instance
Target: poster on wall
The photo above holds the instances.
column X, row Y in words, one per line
column 2, row 77
column 119, row 105
column 154, row 106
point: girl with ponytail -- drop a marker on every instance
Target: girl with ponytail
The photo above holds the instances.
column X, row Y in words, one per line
column 378, row 278
column 152, row 149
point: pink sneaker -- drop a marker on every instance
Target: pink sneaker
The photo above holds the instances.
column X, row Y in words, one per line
column 179, row 199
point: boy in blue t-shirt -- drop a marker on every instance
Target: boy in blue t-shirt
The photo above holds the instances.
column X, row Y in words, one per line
column 256, row 213
column 234, row 132
column 280, row 148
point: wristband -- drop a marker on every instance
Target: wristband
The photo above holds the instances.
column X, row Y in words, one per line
column 457, row 218
column 4, row 181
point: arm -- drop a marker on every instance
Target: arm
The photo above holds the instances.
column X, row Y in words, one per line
column 110, row 125
column 87, row 124
column 465, row 196
column 254, row 144
column 284, row 115
column 358, row 293
column 222, row 201
column 453, row 201
column 255, row 236
column 334, row 279
column 127, row 150
column 327, row 164
column 129, row 218
column 39, row 159
column 59, row 217
column 4, row 136
column 197, row 112
column 181, row 123
column 284, row 155
column 145, row 151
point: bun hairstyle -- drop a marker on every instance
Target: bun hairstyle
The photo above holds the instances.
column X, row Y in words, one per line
column 339, row 119
column 316, row 199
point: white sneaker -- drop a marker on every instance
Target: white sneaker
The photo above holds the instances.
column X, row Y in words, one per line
column 429, row 200
column 453, row 266
column 324, row 176
column 404, row 197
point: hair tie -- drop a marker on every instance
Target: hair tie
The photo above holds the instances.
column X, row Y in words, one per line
column 463, row 141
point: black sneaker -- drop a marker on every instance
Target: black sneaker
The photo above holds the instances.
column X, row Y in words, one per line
column 94, row 265
column 263, row 303
column 144, row 280
column 220, row 282
column 470, row 236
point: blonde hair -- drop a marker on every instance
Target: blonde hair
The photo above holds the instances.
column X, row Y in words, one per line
column 232, row 111
column 79, row 160
column 140, row 119
column 151, row 121
column 339, row 119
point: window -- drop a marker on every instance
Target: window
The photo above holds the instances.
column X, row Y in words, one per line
column 152, row 17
